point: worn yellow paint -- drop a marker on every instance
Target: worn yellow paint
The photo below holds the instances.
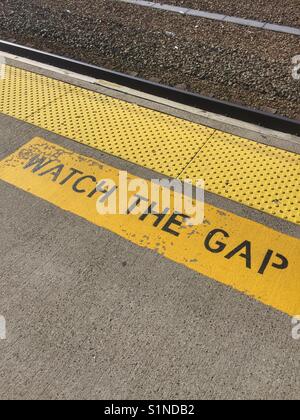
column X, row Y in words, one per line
column 256, row 175
column 279, row 288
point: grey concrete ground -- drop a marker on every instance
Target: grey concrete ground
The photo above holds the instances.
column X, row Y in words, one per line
column 90, row 315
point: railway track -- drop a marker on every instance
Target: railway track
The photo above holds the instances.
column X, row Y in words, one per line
column 226, row 61
column 264, row 10
column 220, row 17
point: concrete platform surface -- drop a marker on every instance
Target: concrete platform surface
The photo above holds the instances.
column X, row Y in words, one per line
column 91, row 315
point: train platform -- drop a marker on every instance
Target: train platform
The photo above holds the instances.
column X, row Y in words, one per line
column 129, row 307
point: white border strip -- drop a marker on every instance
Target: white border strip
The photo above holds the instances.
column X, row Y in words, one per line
column 217, row 16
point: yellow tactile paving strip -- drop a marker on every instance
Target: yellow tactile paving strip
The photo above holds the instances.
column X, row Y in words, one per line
column 148, row 138
column 262, row 177
column 256, row 175
column 23, row 93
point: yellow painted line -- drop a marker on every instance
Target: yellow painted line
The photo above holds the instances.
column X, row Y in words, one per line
column 240, row 253
column 256, row 175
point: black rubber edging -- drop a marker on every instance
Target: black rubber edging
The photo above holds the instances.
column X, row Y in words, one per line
column 249, row 115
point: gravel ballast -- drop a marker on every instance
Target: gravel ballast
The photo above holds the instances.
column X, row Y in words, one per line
column 226, row 61
column 272, row 11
